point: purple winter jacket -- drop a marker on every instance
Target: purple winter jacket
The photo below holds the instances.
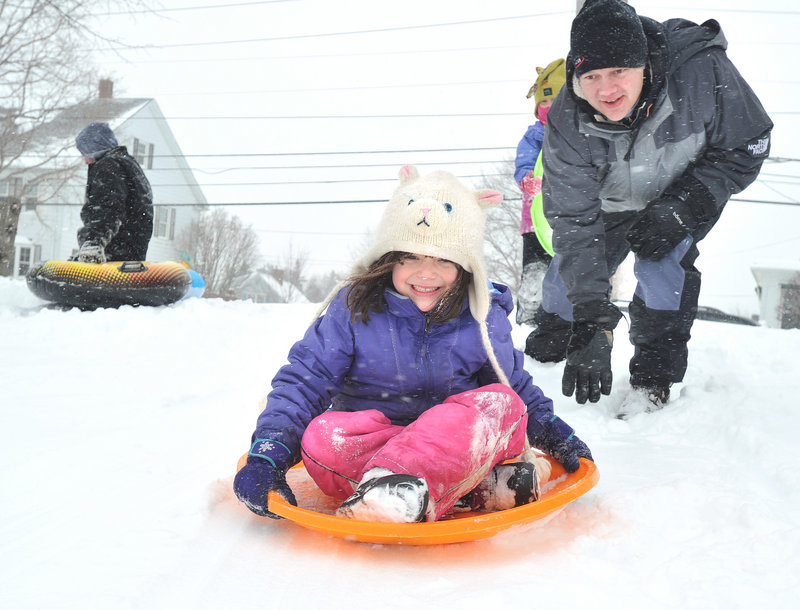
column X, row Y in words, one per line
column 397, row 364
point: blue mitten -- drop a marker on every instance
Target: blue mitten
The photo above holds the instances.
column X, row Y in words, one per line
column 558, row 439
column 265, row 471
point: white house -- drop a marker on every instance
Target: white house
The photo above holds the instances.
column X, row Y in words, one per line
column 52, row 194
column 778, row 292
column 262, row 287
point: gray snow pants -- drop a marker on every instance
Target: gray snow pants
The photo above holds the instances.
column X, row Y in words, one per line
column 662, row 310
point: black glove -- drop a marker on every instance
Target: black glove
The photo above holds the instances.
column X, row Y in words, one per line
column 661, row 226
column 265, row 471
column 557, row 439
column 91, row 252
column 588, row 368
column 667, row 220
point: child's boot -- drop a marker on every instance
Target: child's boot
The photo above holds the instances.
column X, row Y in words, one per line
column 506, row 486
column 391, row 498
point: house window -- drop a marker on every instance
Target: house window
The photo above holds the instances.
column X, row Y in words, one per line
column 30, row 196
column 143, row 153
column 24, row 260
column 11, row 187
column 789, row 310
column 164, row 222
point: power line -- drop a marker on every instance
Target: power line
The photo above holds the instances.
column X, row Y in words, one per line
column 309, row 117
column 314, row 117
column 370, row 53
column 347, row 202
column 398, row 29
column 306, row 182
column 355, row 32
column 397, row 151
column 301, row 232
column 347, row 166
column 319, row 90
column 184, row 9
column 317, row 152
column 766, row 201
column 767, row 183
column 230, row 5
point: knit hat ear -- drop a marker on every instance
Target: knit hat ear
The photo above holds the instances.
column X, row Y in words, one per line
column 407, row 173
column 548, row 82
column 607, row 34
column 488, row 198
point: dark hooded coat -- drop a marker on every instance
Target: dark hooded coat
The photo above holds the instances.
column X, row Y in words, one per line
column 118, row 210
column 699, row 128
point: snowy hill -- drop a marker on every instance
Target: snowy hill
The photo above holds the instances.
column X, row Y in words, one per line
column 120, row 431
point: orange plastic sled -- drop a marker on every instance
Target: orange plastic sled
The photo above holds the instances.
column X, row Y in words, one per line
column 315, row 511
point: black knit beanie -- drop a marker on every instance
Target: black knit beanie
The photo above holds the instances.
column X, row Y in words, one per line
column 607, row 34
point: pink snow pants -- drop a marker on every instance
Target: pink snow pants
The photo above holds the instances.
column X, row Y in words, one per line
column 453, row 446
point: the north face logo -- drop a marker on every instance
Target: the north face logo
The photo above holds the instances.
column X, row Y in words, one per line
column 759, row 147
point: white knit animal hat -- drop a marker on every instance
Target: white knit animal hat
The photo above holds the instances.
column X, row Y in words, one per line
column 436, row 215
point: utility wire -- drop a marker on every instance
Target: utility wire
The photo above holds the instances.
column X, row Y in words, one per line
column 345, row 202
column 399, row 151
column 399, row 28
column 370, row 53
column 316, row 117
column 315, row 152
column 230, row 5
column 73, row 184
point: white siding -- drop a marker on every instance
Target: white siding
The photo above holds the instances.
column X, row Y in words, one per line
column 54, row 228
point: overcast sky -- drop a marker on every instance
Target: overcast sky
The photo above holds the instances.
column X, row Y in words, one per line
column 324, row 100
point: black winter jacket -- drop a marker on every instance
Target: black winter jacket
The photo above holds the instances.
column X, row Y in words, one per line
column 118, row 210
column 702, row 130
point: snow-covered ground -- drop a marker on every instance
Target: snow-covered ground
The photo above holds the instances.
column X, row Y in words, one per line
column 120, row 431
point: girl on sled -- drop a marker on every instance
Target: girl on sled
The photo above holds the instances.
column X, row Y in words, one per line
column 406, row 396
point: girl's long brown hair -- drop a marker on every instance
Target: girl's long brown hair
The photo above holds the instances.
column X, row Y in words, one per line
column 365, row 293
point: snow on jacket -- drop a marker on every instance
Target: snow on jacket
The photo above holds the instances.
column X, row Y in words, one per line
column 118, row 212
column 397, row 363
column 706, row 130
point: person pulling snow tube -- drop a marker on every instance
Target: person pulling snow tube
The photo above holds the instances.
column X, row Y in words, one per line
column 112, row 284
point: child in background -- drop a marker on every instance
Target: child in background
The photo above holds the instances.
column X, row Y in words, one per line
column 536, row 249
column 405, row 396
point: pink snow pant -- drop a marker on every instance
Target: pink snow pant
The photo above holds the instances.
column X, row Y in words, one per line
column 453, row 446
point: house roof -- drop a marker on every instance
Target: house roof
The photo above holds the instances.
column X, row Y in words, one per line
column 264, row 283
column 113, row 111
column 62, row 130
column 776, row 265
column 52, row 144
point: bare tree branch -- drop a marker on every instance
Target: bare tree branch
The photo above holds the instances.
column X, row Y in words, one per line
column 503, row 240
column 221, row 249
column 46, row 66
